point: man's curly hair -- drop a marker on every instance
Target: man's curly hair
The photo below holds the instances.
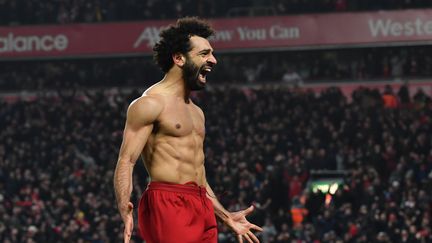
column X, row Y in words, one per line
column 175, row 39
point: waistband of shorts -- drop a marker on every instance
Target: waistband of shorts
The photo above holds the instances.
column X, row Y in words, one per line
column 189, row 187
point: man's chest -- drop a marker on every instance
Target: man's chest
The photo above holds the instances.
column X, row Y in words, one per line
column 181, row 120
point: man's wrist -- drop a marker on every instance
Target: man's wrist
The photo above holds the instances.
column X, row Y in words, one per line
column 123, row 209
column 225, row 217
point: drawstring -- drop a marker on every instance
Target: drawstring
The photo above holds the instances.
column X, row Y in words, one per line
column 201, row 194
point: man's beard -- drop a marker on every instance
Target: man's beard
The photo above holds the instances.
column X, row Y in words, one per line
column 191, row 73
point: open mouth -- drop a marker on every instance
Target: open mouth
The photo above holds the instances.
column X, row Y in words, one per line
column 203, row 73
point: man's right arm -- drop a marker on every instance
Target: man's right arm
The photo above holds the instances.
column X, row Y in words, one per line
column 141, row 115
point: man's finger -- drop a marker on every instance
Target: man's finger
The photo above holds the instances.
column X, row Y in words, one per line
column 254, row 238
column 248, row 238
column 128, row 231
column 257, row 228
column 239, row 239
column 127, row 237
column 248, row 210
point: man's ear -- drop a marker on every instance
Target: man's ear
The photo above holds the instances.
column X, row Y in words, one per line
column 179, row 59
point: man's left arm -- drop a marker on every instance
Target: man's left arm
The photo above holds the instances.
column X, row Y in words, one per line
column 220, row 211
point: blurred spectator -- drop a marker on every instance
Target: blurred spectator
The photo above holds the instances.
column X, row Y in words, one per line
column 269, row 231
column 292, row 77
column 389, row 98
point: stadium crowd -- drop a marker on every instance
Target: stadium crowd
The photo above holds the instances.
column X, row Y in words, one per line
column 58, row 153
column 20, row 12
column 295, row 67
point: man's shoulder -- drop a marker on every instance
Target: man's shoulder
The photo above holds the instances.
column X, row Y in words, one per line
column 146, row 105
column 148, row 100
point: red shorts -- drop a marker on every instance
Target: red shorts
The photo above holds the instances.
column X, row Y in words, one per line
column 176, row 213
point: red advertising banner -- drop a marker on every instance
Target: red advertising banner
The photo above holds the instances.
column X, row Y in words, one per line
column 313, row 31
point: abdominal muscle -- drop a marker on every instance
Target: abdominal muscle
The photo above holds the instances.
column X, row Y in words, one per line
column 175, row 159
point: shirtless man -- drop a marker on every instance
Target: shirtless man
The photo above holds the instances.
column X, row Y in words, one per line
column 167, row 129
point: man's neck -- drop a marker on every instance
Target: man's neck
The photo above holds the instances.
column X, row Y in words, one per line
column 174, row 84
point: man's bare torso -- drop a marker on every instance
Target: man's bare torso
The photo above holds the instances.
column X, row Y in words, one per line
column 174, row 150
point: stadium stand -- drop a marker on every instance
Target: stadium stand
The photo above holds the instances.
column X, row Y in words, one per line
column 362, row 64
column 57, row 159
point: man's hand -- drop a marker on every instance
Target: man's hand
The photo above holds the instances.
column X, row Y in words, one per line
column 128, row 221
column 242, row 227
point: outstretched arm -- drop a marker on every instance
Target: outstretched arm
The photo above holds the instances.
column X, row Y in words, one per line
column 235, row 220
column 141, row 115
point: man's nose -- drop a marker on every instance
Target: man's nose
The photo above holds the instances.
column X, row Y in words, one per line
column 212, row 59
